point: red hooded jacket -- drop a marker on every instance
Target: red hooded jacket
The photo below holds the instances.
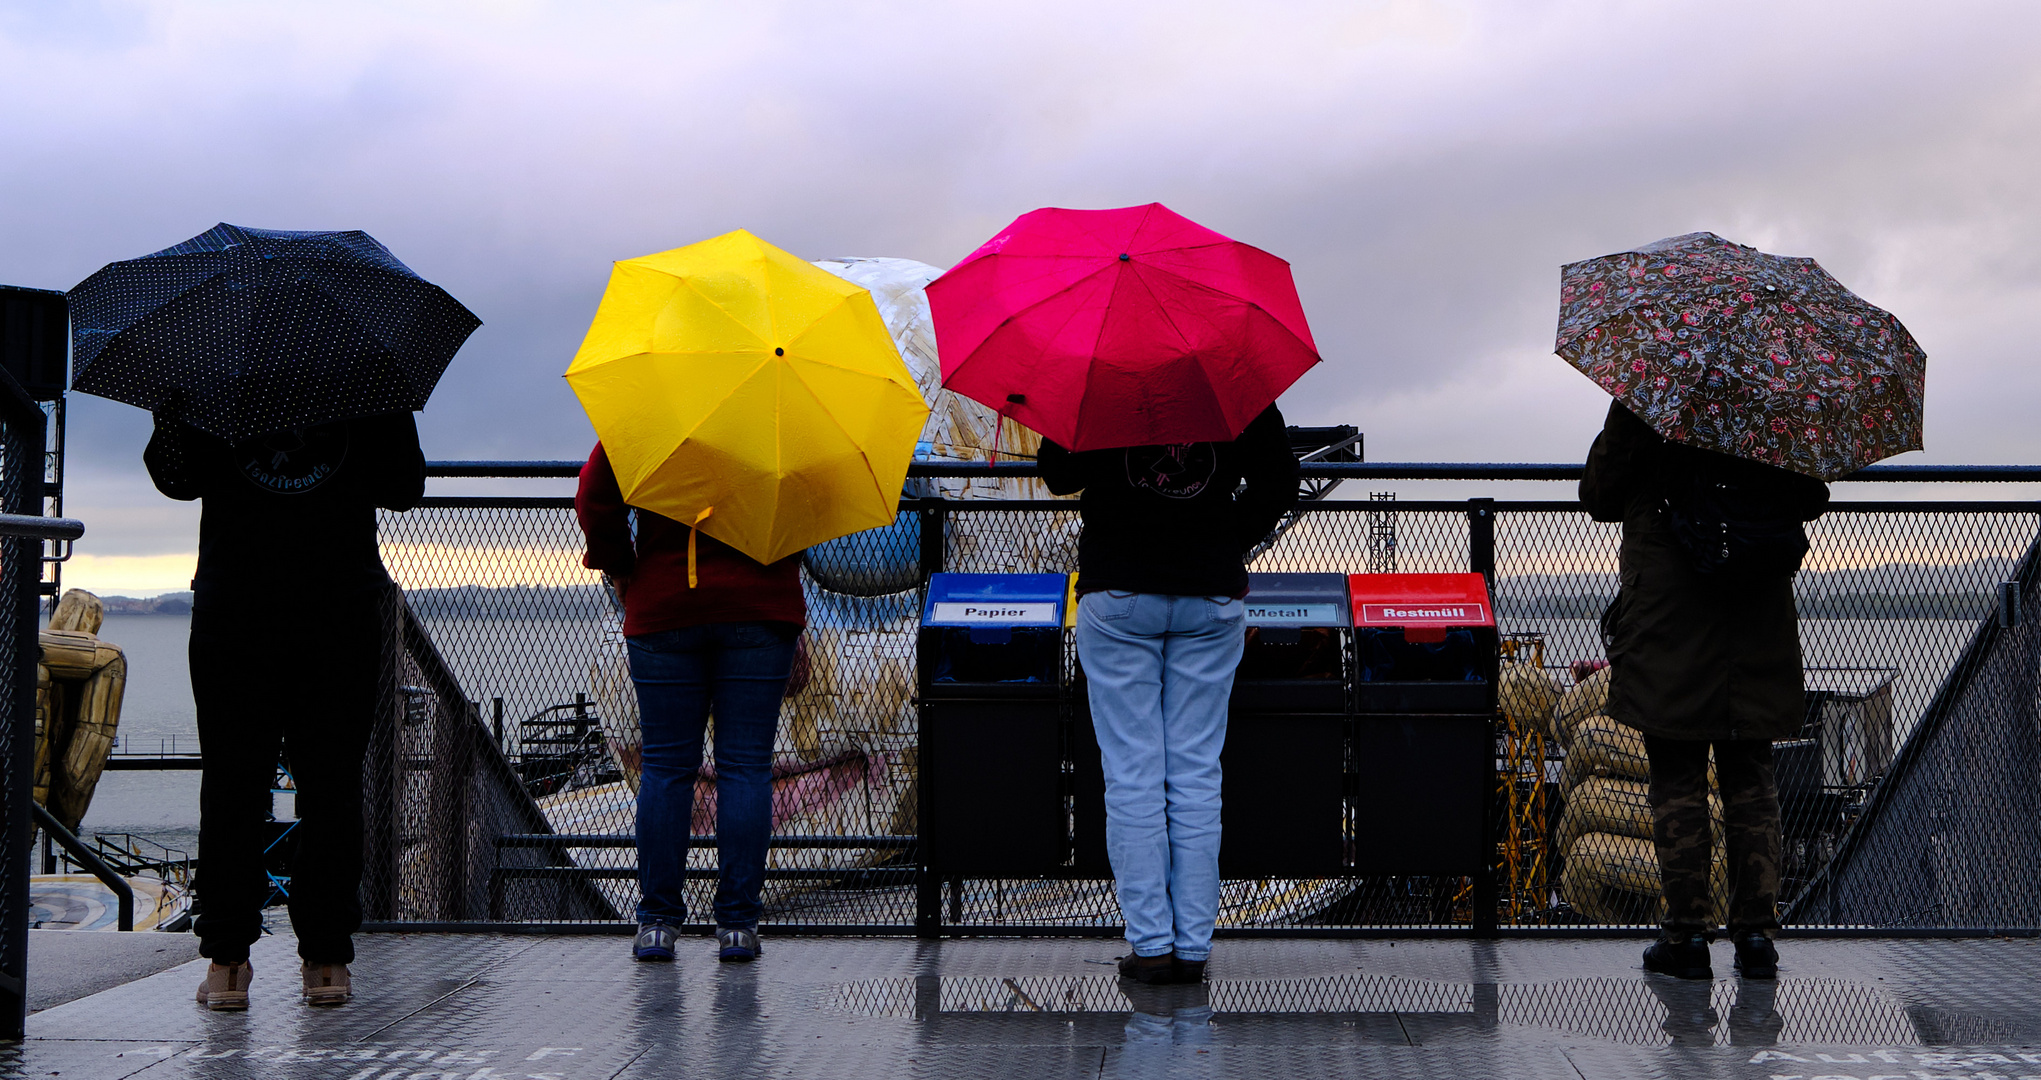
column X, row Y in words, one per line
column 651, row 572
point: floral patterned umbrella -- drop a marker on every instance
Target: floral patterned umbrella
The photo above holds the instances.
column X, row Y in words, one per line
column 1723, row 347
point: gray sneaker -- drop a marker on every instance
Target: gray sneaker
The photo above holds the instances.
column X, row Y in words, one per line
column 654, row 942
column 738, row 946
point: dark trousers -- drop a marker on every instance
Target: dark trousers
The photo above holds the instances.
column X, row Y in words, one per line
column 1683, row 833
column 300, row 683
column 739, row 672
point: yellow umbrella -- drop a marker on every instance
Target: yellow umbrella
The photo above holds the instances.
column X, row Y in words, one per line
column 749, row 394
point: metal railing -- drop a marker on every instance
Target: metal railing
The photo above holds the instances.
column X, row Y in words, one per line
column 1350, row 470
column 78, row 852
column 1891, row 599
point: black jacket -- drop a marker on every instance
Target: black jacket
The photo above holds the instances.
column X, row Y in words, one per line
column 1694, row 656
column 1166, row 519
column 293, row 512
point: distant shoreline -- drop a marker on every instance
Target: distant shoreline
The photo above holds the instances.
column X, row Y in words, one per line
column 177, row 603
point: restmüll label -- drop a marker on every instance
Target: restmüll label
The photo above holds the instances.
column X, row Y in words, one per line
column 1424, row 614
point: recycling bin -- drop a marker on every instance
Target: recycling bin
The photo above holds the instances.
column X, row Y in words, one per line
column 1425, row 666
column 1285, row 757
column 1423, row 643
column 991, row 737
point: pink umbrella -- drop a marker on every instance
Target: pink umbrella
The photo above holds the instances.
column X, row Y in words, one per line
column 1128, row 327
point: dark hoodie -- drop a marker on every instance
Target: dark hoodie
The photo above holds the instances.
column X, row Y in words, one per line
column 292, row 512
column 1166, row 519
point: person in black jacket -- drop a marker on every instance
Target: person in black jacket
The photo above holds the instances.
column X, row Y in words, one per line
column 1704, row 657
column 289, row 612
column 1159, row 632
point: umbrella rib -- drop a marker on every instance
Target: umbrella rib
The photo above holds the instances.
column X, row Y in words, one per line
column 828, row 408
column 689, row 283
column 1196, row 284
column 1182, row 338
column 1017, row 313
column 338, row 306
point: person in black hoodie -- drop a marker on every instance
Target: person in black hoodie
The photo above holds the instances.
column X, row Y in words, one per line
column 288, row 620
column 1161, row 577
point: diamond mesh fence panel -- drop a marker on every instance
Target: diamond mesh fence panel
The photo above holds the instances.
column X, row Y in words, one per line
column 512, row 691
column 1950, row 834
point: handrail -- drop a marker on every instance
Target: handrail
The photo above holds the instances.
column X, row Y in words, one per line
column 84, row 857
column 1344, row 470
column 41, row 528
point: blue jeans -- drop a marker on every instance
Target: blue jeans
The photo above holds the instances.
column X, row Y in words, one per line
column 739, row 671
column 1160, row 670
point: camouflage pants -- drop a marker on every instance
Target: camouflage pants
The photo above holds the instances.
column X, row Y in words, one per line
column 1683, row 835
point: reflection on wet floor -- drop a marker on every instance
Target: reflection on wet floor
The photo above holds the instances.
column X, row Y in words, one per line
column 1635, row 1011
column 499, row 1007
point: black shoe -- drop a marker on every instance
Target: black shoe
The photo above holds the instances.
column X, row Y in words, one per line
column 1756, row 956
column 1153, row 970
column 1190, row 971
column 1681, row 955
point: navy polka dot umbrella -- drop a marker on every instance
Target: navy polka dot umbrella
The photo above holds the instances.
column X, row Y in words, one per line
column 243, row 331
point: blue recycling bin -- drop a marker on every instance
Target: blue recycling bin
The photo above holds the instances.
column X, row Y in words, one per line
column 991, row 735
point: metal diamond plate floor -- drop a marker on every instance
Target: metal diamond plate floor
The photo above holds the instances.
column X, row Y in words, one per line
column 466, row 1007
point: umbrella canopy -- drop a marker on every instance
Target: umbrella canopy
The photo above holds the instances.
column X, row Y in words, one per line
column 746, row 392
column 1126, row 327
column 242, row 331
column 1723, row 347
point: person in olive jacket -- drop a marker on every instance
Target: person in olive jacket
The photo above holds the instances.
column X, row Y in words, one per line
column 1702, row 657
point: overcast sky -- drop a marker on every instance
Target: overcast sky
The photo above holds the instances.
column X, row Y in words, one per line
column 1425, row 167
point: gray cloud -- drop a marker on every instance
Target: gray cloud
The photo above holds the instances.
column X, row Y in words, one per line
column 1425, row 167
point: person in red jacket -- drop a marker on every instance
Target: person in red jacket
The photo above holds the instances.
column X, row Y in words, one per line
column 714, row 633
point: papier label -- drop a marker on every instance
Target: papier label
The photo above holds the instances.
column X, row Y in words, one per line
column 1013, row 613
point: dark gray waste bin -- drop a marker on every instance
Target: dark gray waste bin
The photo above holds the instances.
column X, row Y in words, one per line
column 991, row 736
column 1285, row 756
column 1425, row 656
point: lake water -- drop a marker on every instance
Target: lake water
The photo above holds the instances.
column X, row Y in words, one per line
column 533, row 664
column 157, row 710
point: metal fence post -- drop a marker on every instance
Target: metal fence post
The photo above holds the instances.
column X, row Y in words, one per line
column 1482, row 560
column 928, row 889
column 1481, row 539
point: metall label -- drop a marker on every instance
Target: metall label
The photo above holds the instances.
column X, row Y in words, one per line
column 1292, row 614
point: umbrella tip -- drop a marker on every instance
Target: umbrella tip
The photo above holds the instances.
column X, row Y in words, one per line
column 777, row 351
column 1124, row 256
column 1017, row 399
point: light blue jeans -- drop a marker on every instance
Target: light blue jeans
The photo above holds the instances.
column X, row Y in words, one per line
column 1160, row 670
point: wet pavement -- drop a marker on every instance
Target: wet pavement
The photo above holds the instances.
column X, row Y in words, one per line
column 472, row 1007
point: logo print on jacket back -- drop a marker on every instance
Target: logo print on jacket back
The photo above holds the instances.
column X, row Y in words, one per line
column 1178, row 471
column 293, row 462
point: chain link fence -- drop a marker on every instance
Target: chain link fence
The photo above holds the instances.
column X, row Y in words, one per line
column 509, row 753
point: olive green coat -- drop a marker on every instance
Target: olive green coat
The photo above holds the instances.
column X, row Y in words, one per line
column 1692, row 656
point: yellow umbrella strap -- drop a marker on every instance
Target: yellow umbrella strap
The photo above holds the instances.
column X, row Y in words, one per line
column 691, row 530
